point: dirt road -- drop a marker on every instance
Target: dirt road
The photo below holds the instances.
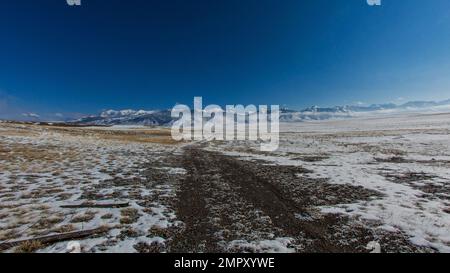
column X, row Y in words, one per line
column 231, row 205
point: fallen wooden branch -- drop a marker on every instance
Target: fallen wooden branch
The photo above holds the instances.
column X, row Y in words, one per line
column 93, row 205
column 50, row 239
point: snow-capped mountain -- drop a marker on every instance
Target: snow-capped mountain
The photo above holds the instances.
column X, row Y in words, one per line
column 124, row 113
column 163, row 117
column 350, row 111
column 128, row 117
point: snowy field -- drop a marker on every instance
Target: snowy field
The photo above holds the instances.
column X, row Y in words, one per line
column 347, row 182
column 45, row 169
column 406, row 158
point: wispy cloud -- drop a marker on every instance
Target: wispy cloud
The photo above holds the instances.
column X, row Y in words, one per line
column 359, row 103
column 31, row 115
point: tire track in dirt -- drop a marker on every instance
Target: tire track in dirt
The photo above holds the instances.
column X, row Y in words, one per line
column 199, row 233
column 267, row 197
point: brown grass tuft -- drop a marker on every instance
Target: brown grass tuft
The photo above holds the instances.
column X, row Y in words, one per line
column 29, row 247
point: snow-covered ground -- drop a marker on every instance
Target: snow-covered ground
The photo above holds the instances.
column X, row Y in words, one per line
column 43, row 169
column 406, row 158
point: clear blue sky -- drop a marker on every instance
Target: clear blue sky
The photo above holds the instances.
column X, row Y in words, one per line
column 153, row 54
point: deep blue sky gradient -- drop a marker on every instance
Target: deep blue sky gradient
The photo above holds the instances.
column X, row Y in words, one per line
column 153, row 54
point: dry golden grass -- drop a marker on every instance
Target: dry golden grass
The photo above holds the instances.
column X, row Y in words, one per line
column 167, row 140
column 64, row 229
column 48, row 222
column 29, row 247
column 26, row 154
column 107, row 216
column 88, row 216
column 18, row 132
column 129, row 215
column 8, row 234
column 129, row 212
column 157, row 135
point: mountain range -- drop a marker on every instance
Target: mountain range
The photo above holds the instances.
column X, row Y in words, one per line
column 163, row 117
